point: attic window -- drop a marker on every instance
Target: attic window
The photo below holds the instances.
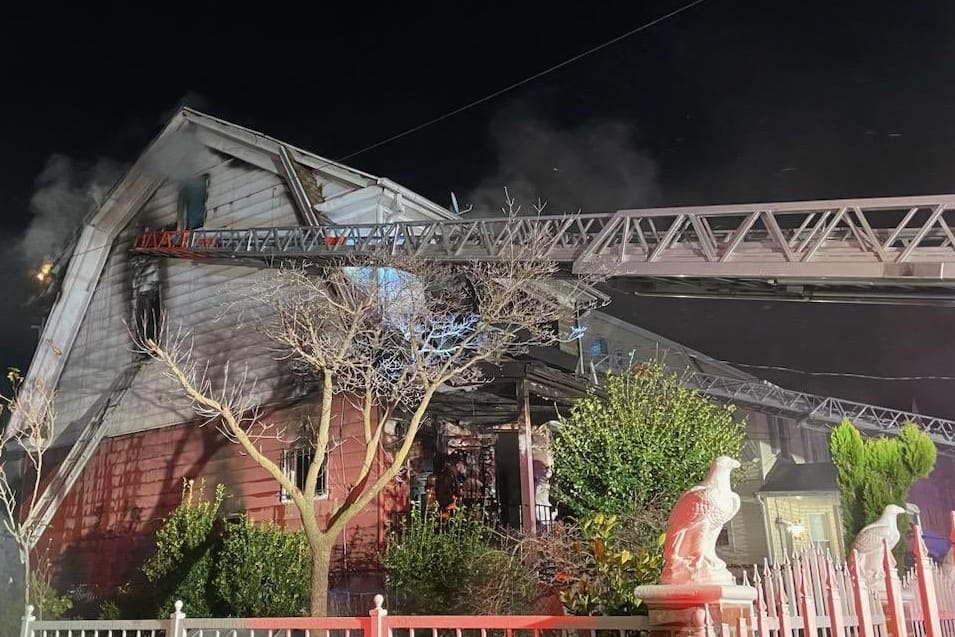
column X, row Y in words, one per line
column 192, row 202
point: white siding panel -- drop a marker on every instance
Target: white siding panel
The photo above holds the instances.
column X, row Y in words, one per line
column 238, row 196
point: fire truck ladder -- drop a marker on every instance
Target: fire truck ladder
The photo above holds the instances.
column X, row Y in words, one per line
column 79, row 454
column 899, row 249
column 825, row 411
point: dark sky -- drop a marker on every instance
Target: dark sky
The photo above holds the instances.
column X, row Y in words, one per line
column 729, row 101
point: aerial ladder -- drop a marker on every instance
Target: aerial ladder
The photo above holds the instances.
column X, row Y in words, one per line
column 897, row 250
column 894, row 250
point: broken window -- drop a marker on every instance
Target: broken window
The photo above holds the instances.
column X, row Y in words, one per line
column 295, row 463
column 192, row 202
column 146, row 298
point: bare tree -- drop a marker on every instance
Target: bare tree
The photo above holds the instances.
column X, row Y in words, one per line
column 22, row 451
column 386, row 333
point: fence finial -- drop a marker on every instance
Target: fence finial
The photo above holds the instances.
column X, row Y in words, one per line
column 379, row 601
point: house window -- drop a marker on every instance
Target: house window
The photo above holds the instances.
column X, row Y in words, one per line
column 147, row 309
column 723, row 539
column 599, row 349
column 192, row 203
column 295, row 463
column 818, row 530
column 146, row 301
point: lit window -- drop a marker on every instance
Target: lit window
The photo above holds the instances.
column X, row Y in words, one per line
column 295, row 464
column 818, row 530
column 192, row 203
column 598, row 348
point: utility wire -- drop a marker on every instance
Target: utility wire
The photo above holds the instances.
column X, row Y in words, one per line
column 530, row 78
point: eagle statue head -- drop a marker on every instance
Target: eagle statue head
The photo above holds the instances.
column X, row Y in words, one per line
column 892, row 511
column 726, row 463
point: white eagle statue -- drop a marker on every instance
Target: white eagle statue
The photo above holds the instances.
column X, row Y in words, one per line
column 689, row 552
column 868, row 543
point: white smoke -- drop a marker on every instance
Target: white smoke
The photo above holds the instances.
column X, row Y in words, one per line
column 178, row 157
column 64, row 192
column 595, row 166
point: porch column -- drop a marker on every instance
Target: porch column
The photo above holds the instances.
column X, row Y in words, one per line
column 525, row 452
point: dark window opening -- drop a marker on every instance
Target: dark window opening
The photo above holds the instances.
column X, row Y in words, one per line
column 723, row 539
column 148, row 313
column 295, row 464
column 192, row 203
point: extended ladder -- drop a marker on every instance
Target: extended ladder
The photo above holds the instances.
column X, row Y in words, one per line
column 68, row 471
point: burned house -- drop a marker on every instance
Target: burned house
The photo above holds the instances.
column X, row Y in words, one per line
column 128, row 439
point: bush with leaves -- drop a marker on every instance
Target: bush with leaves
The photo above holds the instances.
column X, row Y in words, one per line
column 638, row 441
column 876, row 472
column 263, row 571
column 596, row 564
column 457, row 565
column 183, row 565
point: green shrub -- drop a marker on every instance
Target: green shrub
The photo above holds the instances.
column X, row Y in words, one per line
column 183, row 565
column 458, row 565
column 638, row 442
column 876, row 472
column 263, row 571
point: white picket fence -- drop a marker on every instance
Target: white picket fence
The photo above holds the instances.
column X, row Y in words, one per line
column 809, row 595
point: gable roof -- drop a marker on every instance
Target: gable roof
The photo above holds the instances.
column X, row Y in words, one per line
column 100, row 228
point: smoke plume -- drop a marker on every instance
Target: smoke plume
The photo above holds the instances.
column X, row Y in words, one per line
column 596, row 166
column 64, row 192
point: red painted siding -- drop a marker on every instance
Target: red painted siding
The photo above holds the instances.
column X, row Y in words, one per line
column 102, row 531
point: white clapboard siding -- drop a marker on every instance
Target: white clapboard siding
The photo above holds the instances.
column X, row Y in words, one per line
column 238, row 196
column 193, row 294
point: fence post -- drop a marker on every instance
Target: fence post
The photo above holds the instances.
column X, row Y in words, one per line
column 927, row 593
column 176, row 620
column 894, row 613
column 378, row 614
column 26, row 628
column 860, row 594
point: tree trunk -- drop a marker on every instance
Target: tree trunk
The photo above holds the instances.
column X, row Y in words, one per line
column 321, row 564
column 25, row 558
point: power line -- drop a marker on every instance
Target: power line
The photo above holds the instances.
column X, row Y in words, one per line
column 530, row 78
column 791, row 370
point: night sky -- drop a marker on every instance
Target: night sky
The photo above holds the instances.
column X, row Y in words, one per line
column 729, row 101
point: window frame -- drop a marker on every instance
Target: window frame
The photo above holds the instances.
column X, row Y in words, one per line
column 827, row 542
column 289, row 464
column 197, row 181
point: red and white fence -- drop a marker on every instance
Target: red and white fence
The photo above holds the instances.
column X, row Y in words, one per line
column 810, row 595
column 378, row 623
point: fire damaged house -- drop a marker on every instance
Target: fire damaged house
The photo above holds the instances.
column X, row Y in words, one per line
column 127, row 439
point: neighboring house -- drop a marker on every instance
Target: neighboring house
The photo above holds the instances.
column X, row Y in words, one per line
column 128, row 439
column 790, row 498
